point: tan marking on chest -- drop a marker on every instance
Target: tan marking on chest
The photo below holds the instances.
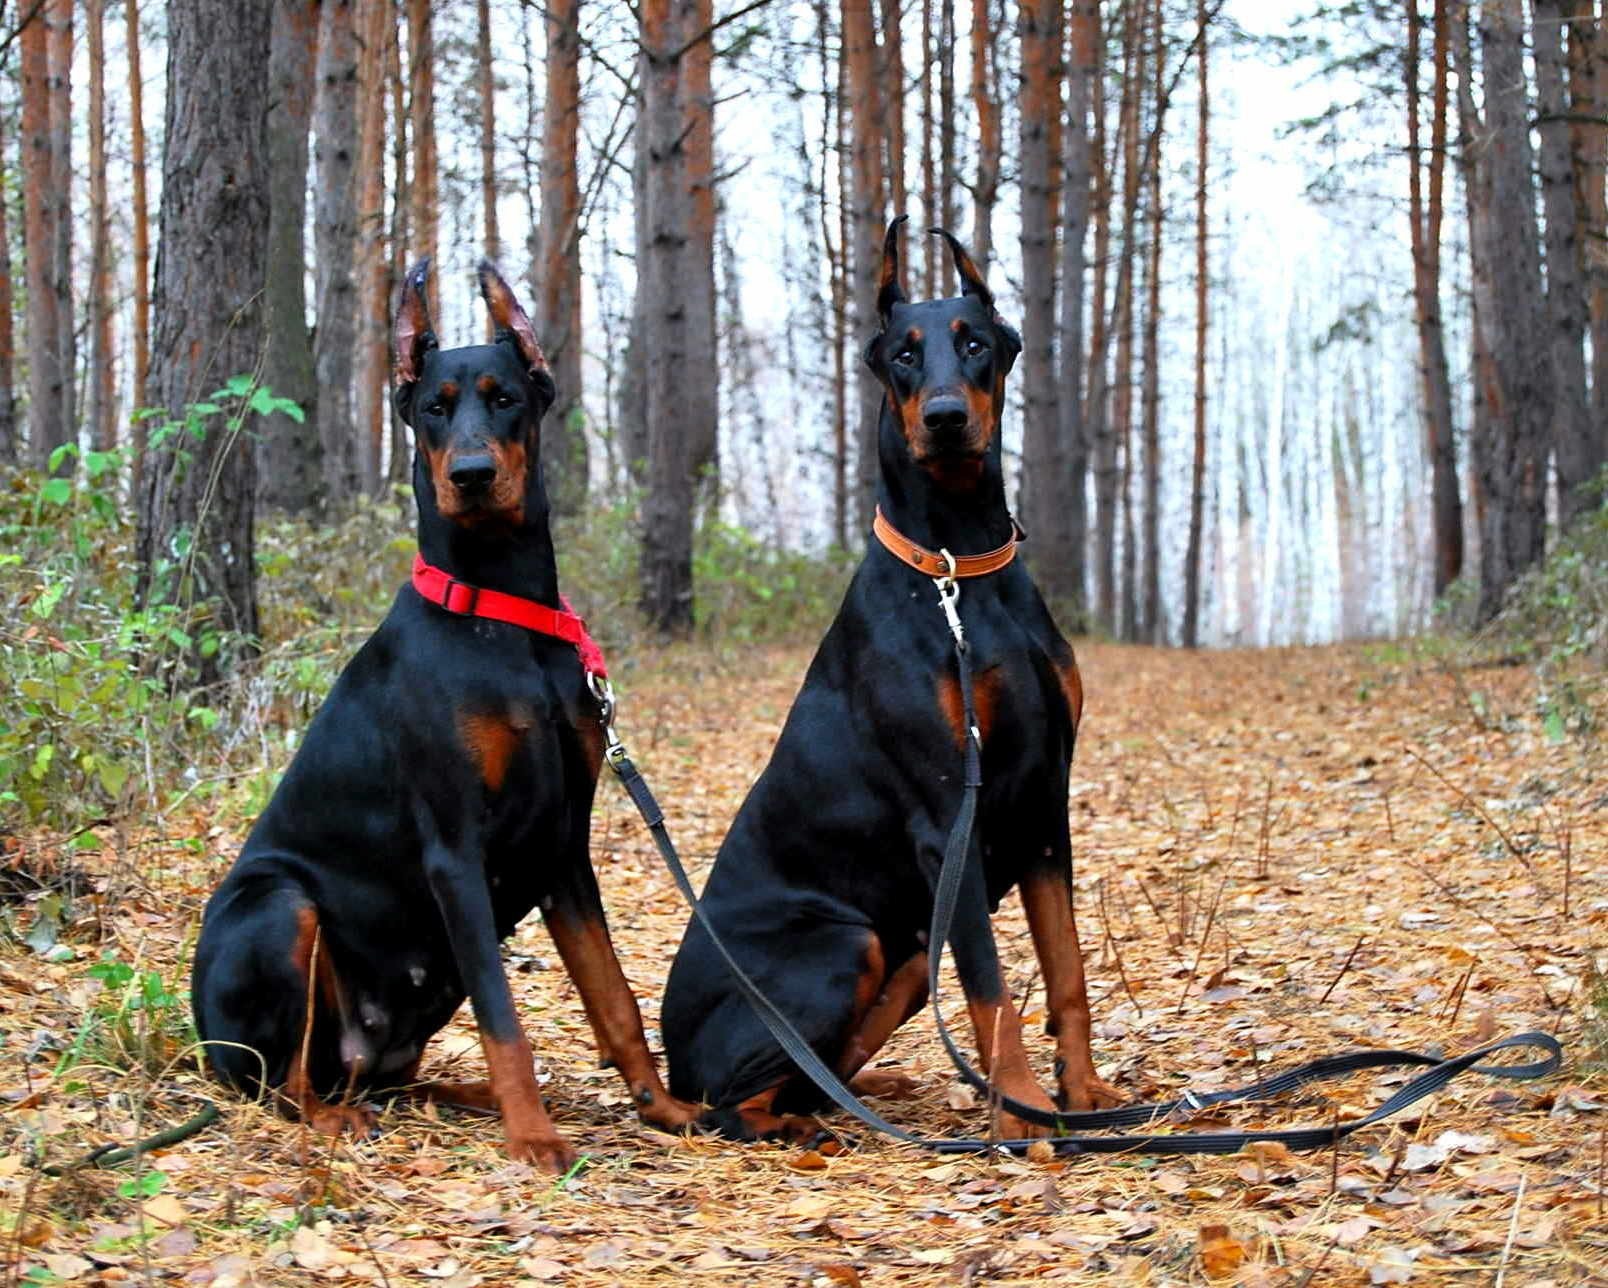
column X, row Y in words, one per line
column 986, row 689
column 492, row 740
column 1072, row 687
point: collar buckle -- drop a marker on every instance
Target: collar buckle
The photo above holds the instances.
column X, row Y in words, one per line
column 463, row 604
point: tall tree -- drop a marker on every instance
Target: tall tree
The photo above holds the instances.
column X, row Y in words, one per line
column 1434, row 376
column 486, row 76
column 1588, row 118
column 929, row 155
column 425, row 215
column 1075, row 199
column 194, row 539
column 985, row 106
column 1510, row 443
column 864, row 109
column 372, row 271
column 49, row 375
column 893, row 89
column 557, row 287
column 403, row 249
column 102, row 415
column 1578, row 441
column 290, row 454
column 675, row 290
column 334, row 246
column 1148, row 621
column 59, row 22
column 948, row 175
column 142, row 234
column 10, row 444
column 1197, row 476
column 1044, row 475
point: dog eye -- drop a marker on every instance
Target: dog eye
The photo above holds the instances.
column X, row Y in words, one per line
column 975, row 347
column 905, row 358
column 502, row 402
column 434, row 407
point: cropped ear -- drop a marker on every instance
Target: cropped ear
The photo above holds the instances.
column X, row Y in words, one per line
column 508, row 317
column 971, row 280
column 889, row 292
column 1011, row 346
column 412, row 336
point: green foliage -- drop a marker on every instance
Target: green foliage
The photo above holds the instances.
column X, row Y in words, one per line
column 136, row 1023
column 1559, row 610
column 750, row 592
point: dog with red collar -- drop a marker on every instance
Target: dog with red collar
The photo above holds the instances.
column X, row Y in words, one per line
column 442, row 792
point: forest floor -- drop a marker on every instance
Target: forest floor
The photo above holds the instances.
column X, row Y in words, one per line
column 1279, row 854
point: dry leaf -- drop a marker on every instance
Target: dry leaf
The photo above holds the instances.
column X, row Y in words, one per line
column 1221, row 1254
column 809, row 1161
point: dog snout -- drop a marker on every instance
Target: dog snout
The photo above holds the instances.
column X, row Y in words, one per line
column 946, row 415
column 472, row 473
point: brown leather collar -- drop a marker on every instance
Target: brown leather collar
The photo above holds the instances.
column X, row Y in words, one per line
column 933, row 564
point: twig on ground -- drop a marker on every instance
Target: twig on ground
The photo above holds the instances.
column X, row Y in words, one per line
column 1344, row 967
column 1513, row 1229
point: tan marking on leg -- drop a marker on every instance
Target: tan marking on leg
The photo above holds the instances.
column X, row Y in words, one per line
column 313, row 964
column 529, row 1132
column 1047, row 900
column 765, row 1124
column 611, row 1009
column 902, row 994
column 1003, row 1058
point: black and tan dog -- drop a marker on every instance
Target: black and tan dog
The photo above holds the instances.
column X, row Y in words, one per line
column 823, row 890
column 442, row 792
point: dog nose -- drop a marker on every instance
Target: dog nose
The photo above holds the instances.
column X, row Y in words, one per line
column 472, row 473
column 946, row 414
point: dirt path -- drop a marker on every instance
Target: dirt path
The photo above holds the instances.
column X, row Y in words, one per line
column 1279, row 854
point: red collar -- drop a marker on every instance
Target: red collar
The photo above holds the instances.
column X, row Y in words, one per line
column 455, row 596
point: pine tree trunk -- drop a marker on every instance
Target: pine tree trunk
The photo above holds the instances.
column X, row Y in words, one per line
column 985, row 106
column 1149, row 626
column 59, row 14
column 488, row 133
column 334, row 246
column 1434, row 376
column 1588, row 95
column 1197, row 477
column 1097, row 399
column 102, row 416
column 948, row 175
column 558, row 291
column 373, row 272
column 1075, row 201
column 142, row 237
column 425, row 215
column 10, row 444
column 837, row 246
column 48, row 423
column 1044, row 466
column 1511, row 452
column 194, row 539
column 675, row 291
column 290, row 455
column 403, row 250
column 1577, row 441
column 893, row 89
column 929, row 155
column 864, row 108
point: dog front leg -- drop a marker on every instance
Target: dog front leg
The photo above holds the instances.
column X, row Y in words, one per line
column 458, row 882
column 1047, row 900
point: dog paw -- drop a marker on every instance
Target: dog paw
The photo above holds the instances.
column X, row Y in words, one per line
column 662, row 1110
column 1088, row 1092
column 887, row 1083
column 342, row 1120
column 547, row 1153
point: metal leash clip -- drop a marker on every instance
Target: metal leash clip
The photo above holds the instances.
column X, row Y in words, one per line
column 603, row 691
column 949, row 598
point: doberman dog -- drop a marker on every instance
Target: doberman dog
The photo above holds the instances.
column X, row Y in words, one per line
column 823, row 888
column 443, row 790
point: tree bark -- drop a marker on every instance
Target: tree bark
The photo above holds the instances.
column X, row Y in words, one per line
column 1097, row 399
column 290, row 455
column 101, row 384
column 142, row 238
column 373, row 273
column 948, row 175
column 60, row 25
column 10, row 444
column 929, row 155
column 488, row 133
column 1577, row 441
column 893, row 87
column 676, row 296
column 1148, row 622
column 334, row 246
column 864, row 106
column 194, row 538
column 1085, row 35
column 558, row 292
column 1434, row 377
column 1511, row 452
column 1044, row 462
column 1197, row 475
column 1588, row 94
column 421, row 116
column 403, row 250
column 985, row 106
column 49, row 404
column 837, row 249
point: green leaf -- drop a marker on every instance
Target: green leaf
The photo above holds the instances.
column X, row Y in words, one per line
column 61, row 454
column 147, row 1186
column 1553, row 724
column 56, row 491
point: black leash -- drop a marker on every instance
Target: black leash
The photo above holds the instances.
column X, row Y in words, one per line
column 958, row 852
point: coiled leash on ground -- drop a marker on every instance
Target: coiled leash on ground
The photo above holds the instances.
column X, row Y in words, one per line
column 960, row 850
